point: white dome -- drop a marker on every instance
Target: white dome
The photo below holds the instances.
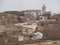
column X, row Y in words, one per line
column 38, row 35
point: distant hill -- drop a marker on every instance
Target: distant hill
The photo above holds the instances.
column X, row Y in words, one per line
column 12, row 12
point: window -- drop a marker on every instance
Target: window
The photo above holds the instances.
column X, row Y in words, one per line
column 48, row 18
column 1, row 35
column 40, row 17
column 33, row 13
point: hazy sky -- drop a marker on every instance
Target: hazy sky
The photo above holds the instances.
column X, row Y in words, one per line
column 52, row 5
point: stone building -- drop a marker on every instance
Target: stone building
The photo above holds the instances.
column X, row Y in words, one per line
column 33, row 12
column 44, row 17
column 56, row 16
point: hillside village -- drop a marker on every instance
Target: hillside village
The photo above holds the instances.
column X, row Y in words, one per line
column 24, row 27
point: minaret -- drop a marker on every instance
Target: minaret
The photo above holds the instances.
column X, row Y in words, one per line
column 43, row 9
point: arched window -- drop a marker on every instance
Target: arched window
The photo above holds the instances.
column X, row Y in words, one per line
column 33, row 13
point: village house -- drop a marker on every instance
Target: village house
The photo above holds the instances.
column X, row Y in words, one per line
column 56, row 16
column 33, row 12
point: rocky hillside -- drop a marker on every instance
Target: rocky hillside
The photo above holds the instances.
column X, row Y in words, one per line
column 10, row 17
